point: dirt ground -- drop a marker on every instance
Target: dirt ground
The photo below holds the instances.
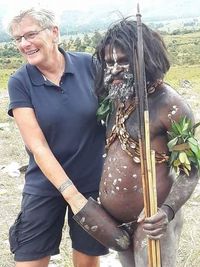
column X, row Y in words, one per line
column 12, row 155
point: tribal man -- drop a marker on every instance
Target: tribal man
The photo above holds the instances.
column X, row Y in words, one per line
column 121, row 191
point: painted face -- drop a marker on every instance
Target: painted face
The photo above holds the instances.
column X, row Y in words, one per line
column 36, row 44
column 118, row 79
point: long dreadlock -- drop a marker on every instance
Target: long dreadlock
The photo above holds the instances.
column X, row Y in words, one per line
column 124, row 36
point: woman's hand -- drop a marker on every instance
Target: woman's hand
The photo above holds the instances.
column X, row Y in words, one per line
column 77, row 202
column 74, row 198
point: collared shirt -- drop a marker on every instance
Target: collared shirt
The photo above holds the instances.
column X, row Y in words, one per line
column 67, row 117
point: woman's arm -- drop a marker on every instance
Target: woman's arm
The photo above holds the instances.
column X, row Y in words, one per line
column 35, row 141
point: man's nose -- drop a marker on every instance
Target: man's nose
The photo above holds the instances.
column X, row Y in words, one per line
column 116, row 69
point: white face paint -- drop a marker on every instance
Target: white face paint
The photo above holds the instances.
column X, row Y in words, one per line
column 115, row 65
column 114, row 55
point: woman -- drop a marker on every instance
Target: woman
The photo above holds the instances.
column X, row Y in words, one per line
column 53, row 104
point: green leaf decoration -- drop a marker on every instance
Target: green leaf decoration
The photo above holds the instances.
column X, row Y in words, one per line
column 196, row 125
column 186, row 170
column 188, row 166
column 183, row 158
column 184, row 147
column 193, row 145
column 104, row 110
column 181, row 147
column 176, row 128
column 172, row 143
column 173, row 157
column 176, row 162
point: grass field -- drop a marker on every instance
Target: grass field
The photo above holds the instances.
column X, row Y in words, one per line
column 178, row 74
column 4, row 75
column 175, row 76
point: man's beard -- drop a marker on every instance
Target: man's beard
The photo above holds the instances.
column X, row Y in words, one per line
column 123, row 90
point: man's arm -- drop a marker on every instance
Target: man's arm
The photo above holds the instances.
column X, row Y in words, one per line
column 180, row 192
column 183, row 185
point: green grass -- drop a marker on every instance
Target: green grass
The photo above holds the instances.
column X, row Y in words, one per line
column 182, row 37
column 183, row 49
column 177, row 74
column 4, row 76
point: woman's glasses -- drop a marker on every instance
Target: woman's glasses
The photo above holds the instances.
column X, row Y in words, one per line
column 29, row 36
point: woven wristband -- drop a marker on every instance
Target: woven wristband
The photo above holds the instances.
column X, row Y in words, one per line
column 171, row 210
column 65, row 185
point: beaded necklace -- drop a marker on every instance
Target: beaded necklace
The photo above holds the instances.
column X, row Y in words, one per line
column 128, row 144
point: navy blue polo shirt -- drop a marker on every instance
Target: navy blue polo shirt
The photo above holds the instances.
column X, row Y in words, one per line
column 67, row 117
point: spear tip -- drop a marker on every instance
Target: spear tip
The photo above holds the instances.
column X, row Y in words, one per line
column 138, row 8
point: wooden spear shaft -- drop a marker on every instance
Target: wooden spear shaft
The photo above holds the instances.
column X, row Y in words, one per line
column 148, row 172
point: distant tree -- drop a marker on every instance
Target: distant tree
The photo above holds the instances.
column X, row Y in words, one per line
column 176, row 32
column 96, row 39
column 86, row 40
column 9, row 50
column 77, row 44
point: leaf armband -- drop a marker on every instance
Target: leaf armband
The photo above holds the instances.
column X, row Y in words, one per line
column 183, row 146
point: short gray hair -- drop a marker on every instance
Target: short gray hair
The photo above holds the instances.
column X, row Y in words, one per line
column 43, row 17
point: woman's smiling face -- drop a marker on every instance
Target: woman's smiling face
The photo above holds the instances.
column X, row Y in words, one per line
column 35, row 43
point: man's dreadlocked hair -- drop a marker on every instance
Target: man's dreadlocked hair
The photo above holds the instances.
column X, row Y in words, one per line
column 124, row 36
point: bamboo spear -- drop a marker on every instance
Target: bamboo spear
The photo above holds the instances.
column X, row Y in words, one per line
column 147, row 155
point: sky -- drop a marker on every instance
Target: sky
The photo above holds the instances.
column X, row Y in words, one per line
column 58, row 5
column 9, row 8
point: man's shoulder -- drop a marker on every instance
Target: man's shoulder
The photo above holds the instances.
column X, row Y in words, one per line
column 165, row 98
column 170, row 101
column 166, row 92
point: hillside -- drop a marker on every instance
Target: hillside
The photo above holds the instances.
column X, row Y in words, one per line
column 184, row 48
column 100, row 14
